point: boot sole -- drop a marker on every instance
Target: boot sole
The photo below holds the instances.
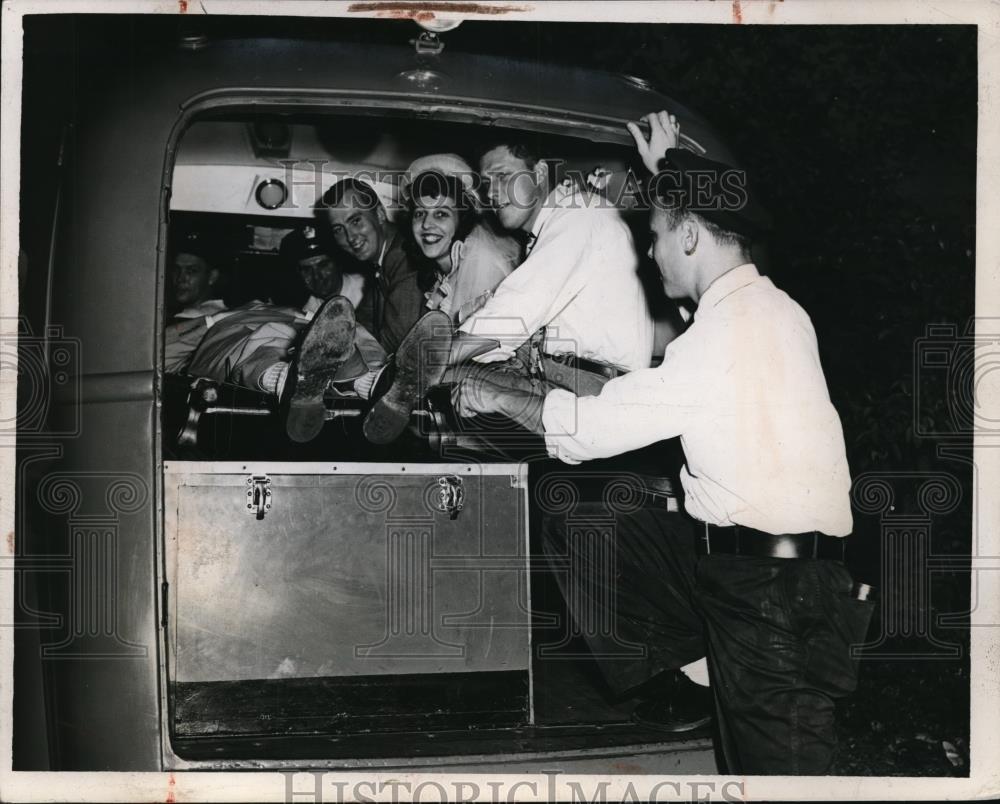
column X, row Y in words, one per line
column 416, row 371
column 669, row 728
column 328, row 342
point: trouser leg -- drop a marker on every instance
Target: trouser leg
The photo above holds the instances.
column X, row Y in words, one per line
column 627, row 580
column 241, row 353
column 779, row 636
column 579, row 381
column 514, row 375
column 357, row 376
column 181, row 340
column 370, row 350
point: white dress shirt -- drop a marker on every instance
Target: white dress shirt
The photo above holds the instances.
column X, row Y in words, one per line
column 744, row 390
column 580, row 282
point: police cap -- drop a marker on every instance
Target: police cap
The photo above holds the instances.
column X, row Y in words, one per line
column 715, row 191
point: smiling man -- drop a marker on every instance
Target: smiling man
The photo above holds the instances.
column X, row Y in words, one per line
column 362, row 229
column 578, row 286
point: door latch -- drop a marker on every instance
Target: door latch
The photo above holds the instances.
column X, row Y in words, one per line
column 451, row 495
column 258, row 495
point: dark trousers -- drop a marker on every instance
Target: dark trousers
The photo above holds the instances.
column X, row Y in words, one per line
column 777, row 632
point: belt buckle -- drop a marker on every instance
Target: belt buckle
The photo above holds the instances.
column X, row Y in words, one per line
column 536, row 371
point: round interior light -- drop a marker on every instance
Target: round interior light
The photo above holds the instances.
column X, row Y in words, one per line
column 271, row 193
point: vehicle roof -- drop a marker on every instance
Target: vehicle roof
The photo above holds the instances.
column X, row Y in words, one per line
column 270, row 64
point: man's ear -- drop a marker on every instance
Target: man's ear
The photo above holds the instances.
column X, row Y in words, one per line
column 541, row 171
column 381, row 216
column 213, row 277
column 689, row 235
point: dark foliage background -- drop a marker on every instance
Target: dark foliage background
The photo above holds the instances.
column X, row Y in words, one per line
column 862, row 141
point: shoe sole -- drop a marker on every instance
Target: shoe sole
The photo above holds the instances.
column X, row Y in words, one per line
column 678, row 729
column 328, row 342
column 416, row 371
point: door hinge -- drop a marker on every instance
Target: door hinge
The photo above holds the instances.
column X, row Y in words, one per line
column 258, row 495
column 164, row 586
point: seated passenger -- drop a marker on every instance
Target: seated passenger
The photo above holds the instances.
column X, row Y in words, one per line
column 195, row 280
column 320, row 274
column 195, row 277
column 362, row 229
column 465, row 256
column 251, row 346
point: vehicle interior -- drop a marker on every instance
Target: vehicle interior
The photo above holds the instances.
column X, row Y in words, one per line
column 249, row 180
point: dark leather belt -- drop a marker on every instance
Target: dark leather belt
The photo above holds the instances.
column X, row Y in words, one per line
column 581, row 363
column 742, row 541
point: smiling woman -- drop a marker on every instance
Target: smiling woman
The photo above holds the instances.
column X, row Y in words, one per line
column 463, row 255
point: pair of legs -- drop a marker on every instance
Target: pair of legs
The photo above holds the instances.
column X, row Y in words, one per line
column 251, row 346
column 430, row 353
column 515, row 374
column 331, row 343
column 777, row 632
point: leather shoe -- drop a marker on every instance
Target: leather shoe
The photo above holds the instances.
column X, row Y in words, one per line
column 326, row 345
column 677, row 705
column 419, row 363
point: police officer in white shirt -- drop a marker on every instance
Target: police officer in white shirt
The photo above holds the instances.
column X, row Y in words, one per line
column 751, row 571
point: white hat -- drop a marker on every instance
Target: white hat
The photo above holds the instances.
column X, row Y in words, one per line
column 446, row 164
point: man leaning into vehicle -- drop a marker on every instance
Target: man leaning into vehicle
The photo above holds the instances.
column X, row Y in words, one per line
column 752, row 569
column 573, row 314
column 579, row 281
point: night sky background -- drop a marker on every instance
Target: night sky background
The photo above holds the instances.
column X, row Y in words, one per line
column 862, row 142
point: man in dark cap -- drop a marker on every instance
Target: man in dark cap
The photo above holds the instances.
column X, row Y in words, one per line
column 323, row 276
column 195, row 279
column 751, row 571
column 195, row 276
